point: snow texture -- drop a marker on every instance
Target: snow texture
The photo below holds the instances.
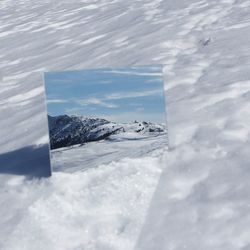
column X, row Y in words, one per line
column 202, row 198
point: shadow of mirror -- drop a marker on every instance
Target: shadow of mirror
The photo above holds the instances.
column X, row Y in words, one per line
column 31, row 161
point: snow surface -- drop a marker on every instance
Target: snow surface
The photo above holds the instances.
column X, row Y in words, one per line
column 93, row 154
column 202, row 198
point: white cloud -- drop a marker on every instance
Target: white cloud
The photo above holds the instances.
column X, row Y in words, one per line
column 139, row 109
column 96, row 101
column 105, row 101
column 154, row 80
column 146, row 70
column 57, row 101
column 73, row 111
column 125, row 95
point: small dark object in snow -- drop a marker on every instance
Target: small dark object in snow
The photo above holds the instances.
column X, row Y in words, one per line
column 205, row 41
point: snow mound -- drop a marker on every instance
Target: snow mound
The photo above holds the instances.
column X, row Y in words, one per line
column 88, row 210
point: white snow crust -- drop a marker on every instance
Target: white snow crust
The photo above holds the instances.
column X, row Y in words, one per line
column 194, row 196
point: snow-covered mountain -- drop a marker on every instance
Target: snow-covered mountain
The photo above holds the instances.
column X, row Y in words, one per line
column 71, row 130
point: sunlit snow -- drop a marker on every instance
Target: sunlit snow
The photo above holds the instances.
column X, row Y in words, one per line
column 194, row 196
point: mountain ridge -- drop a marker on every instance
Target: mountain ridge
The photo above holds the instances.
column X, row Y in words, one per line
column 68, row 130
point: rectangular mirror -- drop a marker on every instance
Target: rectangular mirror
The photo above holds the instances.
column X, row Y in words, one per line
column 99, row 116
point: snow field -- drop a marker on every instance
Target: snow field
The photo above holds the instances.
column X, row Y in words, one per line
column 202, row 199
